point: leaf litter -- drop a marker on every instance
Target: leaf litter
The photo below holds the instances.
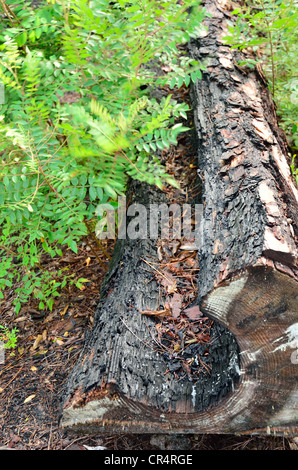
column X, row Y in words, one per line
column 182, row 333
column 48, row 345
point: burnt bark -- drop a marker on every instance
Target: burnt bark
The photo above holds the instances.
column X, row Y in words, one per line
column 247, row 281
column 120, row 356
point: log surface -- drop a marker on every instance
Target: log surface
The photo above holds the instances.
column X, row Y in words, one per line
column 247, row 281
column 121, row 353
column 250, row 196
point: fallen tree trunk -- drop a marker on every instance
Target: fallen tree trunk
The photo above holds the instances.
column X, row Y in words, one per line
column 247, row 282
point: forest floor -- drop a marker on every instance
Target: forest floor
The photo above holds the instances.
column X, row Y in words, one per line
column 48, row 346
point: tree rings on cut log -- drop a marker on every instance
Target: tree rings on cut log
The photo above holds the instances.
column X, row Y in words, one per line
column 260, row 307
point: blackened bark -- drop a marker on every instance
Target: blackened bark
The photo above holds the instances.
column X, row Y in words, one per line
column 247, row 281
column 120, row 356
column 250, row 197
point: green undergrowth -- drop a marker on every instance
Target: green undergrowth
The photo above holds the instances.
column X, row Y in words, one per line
column 268, row 29
column 8, row 340
column 78, row 119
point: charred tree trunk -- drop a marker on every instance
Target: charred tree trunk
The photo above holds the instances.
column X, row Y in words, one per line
column 247, row 281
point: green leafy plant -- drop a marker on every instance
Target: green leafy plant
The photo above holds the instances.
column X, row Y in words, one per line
column 80, row 118
column 8, row 338
column 294, row 169
column 269, row 30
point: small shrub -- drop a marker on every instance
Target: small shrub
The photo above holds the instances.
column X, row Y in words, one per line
column 8, row 338
column 269, row 29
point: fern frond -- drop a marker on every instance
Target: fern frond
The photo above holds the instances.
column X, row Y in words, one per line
column 102, row 112
column 136, row 107
column 31, row 72
column 11, row 52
